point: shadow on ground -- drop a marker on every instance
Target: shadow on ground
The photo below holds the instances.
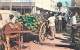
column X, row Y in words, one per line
column 65, row 46
column 63, row 40
column 57, row 45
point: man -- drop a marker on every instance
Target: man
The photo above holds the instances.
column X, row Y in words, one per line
column 52, row 26
column 74, row 27
column 60, row 22
column 63, row 23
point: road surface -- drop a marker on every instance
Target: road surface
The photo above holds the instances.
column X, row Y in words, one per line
column 61, row 42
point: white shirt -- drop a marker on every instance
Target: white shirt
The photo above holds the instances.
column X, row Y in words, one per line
column 74, row 21
column 51, row 21
column 60, row 17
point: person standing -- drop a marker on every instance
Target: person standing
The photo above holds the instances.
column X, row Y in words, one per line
column 64, row 23
column 60, row 22
column 74, row 27
column 52, row 26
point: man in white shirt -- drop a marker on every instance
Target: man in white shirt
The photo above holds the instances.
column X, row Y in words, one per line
column 60, row 22
column 52, row 26
column 74, row 27
column 60, row 17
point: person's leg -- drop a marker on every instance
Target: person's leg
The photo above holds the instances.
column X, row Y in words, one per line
column 74, row 31
column 60, row 26
column 52, row 31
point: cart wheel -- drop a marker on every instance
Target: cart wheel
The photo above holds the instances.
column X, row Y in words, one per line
column 42, row 33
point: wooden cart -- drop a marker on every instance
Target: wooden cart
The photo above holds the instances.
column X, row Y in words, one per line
column 12, row 31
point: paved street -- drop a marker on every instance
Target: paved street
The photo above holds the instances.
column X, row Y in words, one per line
column 60, row 43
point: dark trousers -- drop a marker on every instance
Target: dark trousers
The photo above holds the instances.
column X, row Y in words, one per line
column 60, row 25
column 74, row 31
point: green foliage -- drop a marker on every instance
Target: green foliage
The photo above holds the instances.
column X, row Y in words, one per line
column 59, row 4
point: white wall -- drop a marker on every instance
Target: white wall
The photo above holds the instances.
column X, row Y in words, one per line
column 45, row 4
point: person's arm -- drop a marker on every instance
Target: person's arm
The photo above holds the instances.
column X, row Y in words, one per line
column 48, row 22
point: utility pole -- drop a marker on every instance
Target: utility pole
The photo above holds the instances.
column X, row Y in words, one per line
column 73, row 3
column 10, row 5
column 21, row 6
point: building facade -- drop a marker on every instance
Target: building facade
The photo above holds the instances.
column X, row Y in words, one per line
column 7, row 0
column 77, row 2
column 31, row 6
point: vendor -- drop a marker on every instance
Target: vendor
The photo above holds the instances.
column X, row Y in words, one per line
column 12, row 18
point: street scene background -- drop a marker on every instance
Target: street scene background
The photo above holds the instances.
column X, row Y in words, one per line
column 39, row 25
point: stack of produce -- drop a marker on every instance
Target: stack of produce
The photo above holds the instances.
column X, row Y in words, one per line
column 28, row 21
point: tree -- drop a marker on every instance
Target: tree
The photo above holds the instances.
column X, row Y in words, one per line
column 59, row 5
column 67, row 4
